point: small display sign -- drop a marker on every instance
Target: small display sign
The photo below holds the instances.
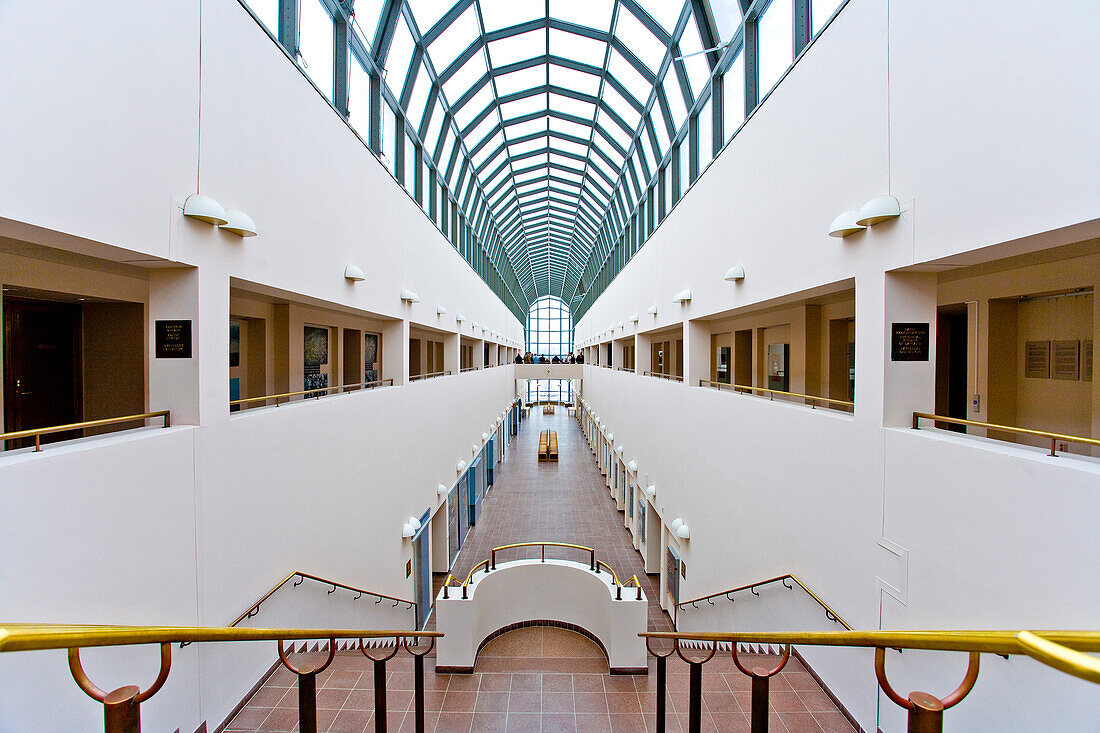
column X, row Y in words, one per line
column 909, row 342
column 172, row 339
column 1066, row 360
column 1086, row 361
column 1037, row 359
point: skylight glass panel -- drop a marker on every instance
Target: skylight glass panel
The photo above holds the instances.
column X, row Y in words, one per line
column 483, row 156
column 498, row 14
column 530, row 176
column 481, row 131
column 448, row 148
column 665, row 12
column 653, row 157
column 517, row 81
column 456, row 39
column 397, row 63
column 419, row 97
column 571, row 106
column 733, row 96
column 358, row 98
column 268, row 13
column 727, row 17
column 592, row 13
column 671, row 87
column 658, row 124
column 685, row 167
column 525, row 128
column 389, row 134
column 517, row 149
column 518, row 48
column 776, row 44
column 628, row 76
column 427, row 12
column 612, row 129
column 821, row 11
column 580, row 48
column 579, row 81
column 315, row 39
column 465, row 77
column 635, row 36
column 601, row 165
column 467, row 112
column 431, row 137
column 567, row 167
column 525, row 106
column 623, row 108
column 410, row 163
column 706, row 135
column 691, row 47
column 569, row 147
column 569, row 127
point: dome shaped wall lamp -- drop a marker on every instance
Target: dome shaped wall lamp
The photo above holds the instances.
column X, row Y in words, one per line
column 239, row 223
column 735, row 274
column 354, row 273
column 652, row 310
column 409, row 296
column 205, row 209
column 633, row 318
column 632, row 466
column 651, row 491
column 845, row 224
column 460, row 466
column 442, row 491
column 878, row 210
column 682, row 297
column 440, row 310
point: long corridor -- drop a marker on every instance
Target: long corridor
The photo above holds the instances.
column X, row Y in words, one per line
column 544, row 680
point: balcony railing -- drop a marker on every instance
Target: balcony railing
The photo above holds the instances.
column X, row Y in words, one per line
column 811, row 400
column 37, row 433
column 1054, row 438
column 121, row 708
column 490, row 564
column 315, row 393
column 1067, row 651
column 463, row 370
column 429, row 375
column 664, row 375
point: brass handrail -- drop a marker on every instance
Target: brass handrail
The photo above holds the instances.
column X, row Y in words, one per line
column 1060, row 646
column 829, row 612
column 36, row 433
column 429, row 375
column 491, row 564
column 664, row 375
column 772, row 392
column 365, row 385
column 255, row 607
column 1054, row 437
column 32, row 637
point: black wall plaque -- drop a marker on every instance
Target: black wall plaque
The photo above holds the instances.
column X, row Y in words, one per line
column 909, row 342
column 173, row 339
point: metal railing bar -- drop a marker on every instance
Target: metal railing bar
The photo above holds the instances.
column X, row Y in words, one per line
column 254, row 608
column 833, row 615
column 1053, row 437
column 739, row 388
column 429, row 375
column 37, row 432
column 664, row 375
column 388, row 382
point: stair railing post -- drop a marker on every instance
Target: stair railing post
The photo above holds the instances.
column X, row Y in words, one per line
column 307, row 687
column 380, row 683
column 925, row 710
column 662, row 693
column 121, row 707
column 761, row 676
column 418, row 682
column 695, row 686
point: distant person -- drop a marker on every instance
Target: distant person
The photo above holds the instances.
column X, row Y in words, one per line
column 572, row 359
column 528, row 358
column 543, row 359
column 580, row 357
column 556, row 360
column 519, row 358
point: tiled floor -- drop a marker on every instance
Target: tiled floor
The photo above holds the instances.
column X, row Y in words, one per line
column 543, row 679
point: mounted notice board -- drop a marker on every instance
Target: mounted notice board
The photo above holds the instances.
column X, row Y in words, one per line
column 672, row 573
column 1037, row 359
column 172, row 339
column 909, row 341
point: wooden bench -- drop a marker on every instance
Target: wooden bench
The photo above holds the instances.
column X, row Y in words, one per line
column 548, row 409
column 548, row 445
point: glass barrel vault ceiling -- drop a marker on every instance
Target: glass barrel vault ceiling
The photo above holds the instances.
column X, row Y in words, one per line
column 549, row 98
column 546, row 138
